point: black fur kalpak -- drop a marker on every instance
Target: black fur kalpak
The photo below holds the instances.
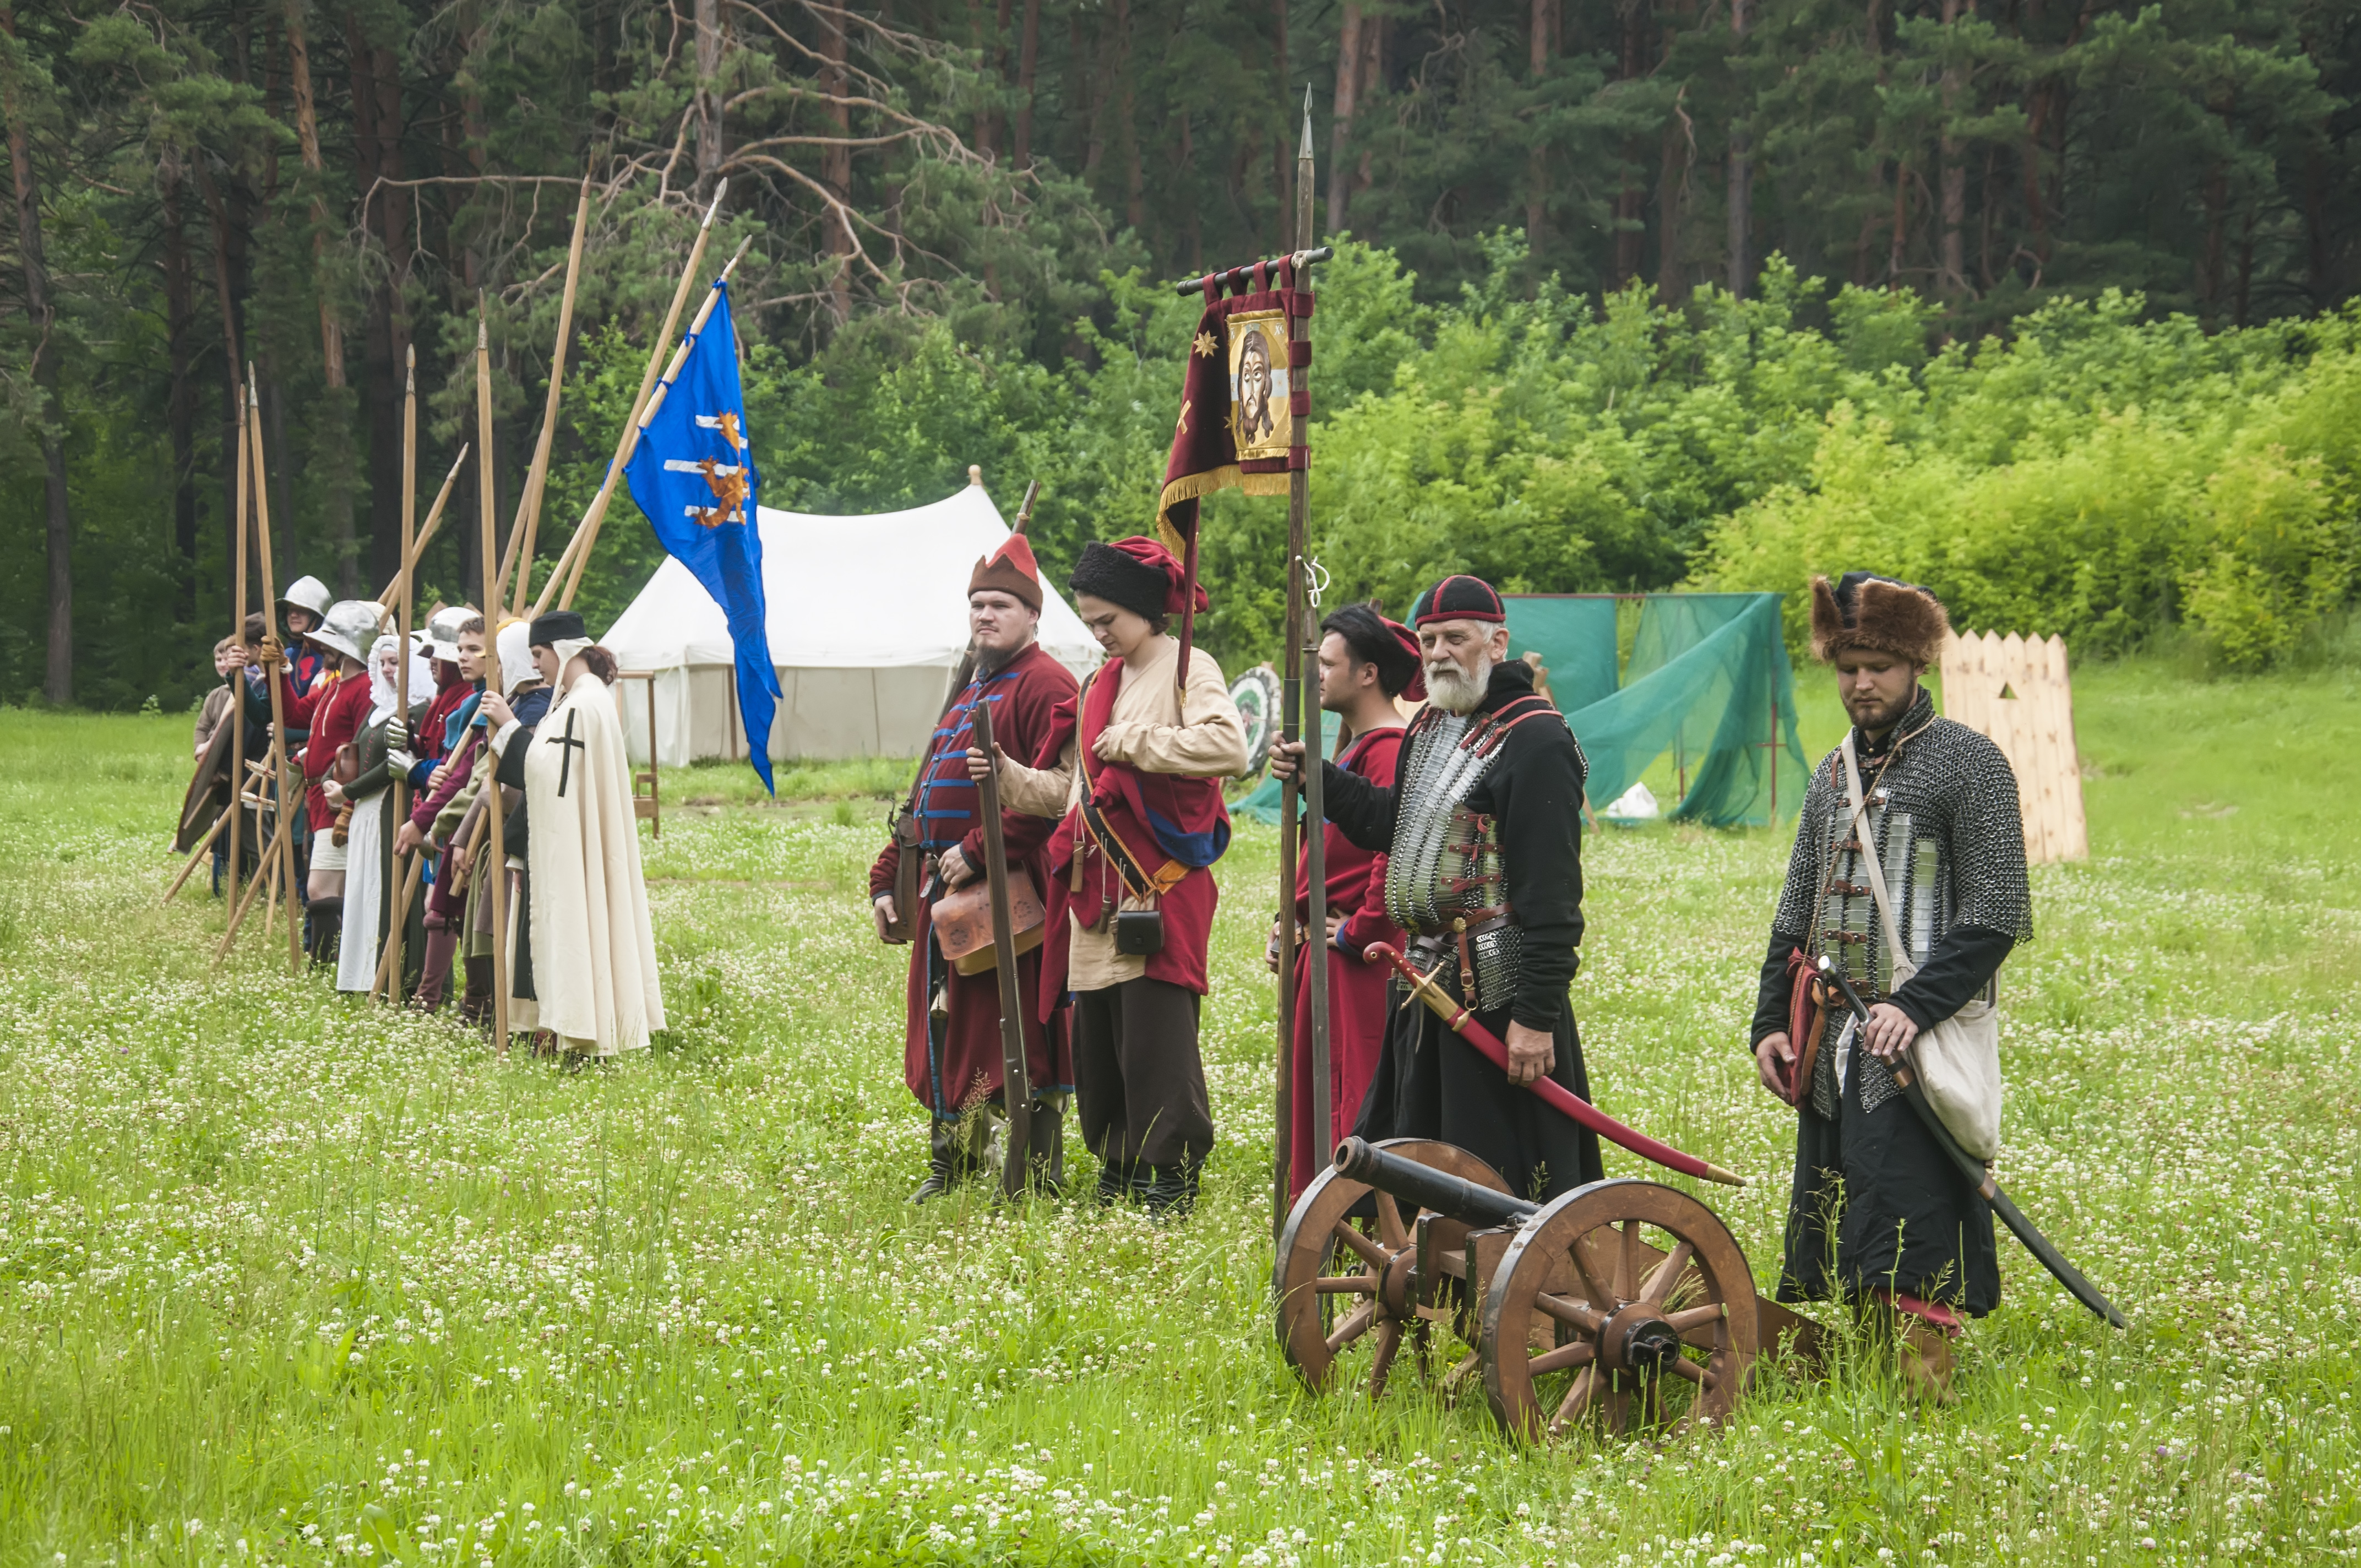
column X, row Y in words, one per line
column 1881, row 614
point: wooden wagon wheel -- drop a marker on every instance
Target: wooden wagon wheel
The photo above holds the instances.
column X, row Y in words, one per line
column 1327, row 1262
column 1648, row 1302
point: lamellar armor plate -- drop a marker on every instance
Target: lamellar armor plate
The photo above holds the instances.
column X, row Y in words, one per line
column 1443, row 877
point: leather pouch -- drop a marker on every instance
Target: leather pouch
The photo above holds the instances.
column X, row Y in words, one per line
column 1140, row 932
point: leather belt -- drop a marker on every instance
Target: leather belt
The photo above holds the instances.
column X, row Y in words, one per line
column 1438, row 939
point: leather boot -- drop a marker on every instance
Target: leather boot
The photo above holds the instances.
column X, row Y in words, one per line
column 1116, row 1180
column 1926, row 1355
column 326, row 921
column 1171, row 1191
column 1046, row 1150
column 476, row 1006
column 942, row 1160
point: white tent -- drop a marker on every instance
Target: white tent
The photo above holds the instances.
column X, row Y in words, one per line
column 868, row 615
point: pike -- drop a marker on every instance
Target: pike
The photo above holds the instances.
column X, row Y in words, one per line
column 1554, row 1095
column 1016, row 1093
column 1979, row 1176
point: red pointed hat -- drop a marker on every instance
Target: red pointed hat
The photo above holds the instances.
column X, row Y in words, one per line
column 1010, row 570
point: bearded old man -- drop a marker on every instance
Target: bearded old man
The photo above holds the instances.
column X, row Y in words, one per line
column 592, row 959
column 1482, row 838
column 1879, row 1215
column 951, row 1054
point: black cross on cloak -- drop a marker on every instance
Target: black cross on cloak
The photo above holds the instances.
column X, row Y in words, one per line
column 565, row 764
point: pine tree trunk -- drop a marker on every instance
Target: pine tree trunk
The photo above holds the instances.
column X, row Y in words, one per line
column 180, row 400
column 1952, row 277
column 1631, row 201
column 1740, row 175
column 836, row 161
column 1028, row 58
column 708, row 96
column 1349, row 31
column 335, row 420
column 1135, row 178
column 1537, row 53
column 49, row 356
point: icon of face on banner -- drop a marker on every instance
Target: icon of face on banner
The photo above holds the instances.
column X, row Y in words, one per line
column 1259, row 415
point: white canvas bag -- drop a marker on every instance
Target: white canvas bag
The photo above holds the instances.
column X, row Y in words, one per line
column 1958, row 1060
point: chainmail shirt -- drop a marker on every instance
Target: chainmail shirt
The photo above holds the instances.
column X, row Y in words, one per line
column 1943, row 819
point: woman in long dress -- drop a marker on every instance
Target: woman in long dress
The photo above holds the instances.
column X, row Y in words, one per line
column 368, row 845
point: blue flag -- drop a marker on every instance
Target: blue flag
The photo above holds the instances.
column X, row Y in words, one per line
column 693, row 475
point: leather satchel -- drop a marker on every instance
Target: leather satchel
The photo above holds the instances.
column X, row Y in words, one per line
column 1958, row 1060
column 962, row 921
column 907, row 856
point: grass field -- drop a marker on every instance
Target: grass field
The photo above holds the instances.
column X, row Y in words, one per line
column 286, row 1280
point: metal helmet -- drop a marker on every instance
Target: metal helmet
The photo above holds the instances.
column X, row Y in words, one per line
column 350, row 627
column 442, row 627
column 308, row 593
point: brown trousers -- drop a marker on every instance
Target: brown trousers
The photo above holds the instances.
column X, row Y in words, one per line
column 1139, row 1084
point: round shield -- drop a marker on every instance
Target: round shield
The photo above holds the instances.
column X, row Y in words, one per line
column 1256, row 694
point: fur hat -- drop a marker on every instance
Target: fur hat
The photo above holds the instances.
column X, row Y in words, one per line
column 1138, row 574
column 1865, row 611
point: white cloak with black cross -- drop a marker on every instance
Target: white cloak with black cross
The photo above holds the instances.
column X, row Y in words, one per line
column 594, row 953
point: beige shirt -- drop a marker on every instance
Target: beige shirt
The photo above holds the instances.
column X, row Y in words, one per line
column 1146, row 731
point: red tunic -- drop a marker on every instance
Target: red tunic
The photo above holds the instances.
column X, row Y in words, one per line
column 955, row 1063
column 340, row 711
column 1167, row 823
column 1356, row 990
column 429, row 743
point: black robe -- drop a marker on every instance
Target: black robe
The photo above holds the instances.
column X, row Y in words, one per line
column 1430, row 1083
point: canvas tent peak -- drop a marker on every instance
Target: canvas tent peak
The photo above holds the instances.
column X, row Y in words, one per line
column 867, row 618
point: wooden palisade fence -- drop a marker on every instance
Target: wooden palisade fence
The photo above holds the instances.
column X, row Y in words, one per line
column 2016, row 690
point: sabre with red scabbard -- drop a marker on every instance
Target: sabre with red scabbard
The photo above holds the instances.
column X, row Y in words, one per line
column 1552, row 1094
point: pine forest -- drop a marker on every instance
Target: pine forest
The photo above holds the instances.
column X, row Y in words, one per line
column 2045, row 302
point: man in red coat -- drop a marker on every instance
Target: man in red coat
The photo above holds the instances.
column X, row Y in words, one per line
column 1366, row 661
column 951, row 1049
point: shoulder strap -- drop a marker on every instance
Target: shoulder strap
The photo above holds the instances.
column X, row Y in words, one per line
column 1897, row 953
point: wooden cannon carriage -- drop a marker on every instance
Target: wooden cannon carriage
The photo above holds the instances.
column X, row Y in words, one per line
column 1625, row 1303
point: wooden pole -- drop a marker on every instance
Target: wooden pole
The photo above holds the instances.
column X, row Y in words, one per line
column 1290, row 725
column 246, row 904
column 523, row 531
column 237, row 707
column 282, row 840
column 426, row 528
column 397, row 905
column 497, row 847
column 1315, row 843
column 586, row 533
column 1017, row 1089
column 387, row 976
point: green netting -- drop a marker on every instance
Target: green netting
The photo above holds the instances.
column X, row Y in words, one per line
column 1726, row 704
column 1575, row 639
column 1672, row 624
column 1262, row 802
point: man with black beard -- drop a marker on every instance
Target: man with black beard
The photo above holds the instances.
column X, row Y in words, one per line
column 1482, row 832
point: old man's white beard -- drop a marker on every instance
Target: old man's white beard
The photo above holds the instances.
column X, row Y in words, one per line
column 1453, row 689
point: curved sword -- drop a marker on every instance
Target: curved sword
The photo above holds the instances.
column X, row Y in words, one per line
column 1978, row 1174
column 1551, row 1092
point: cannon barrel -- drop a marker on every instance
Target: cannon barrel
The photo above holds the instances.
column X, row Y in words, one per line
column 1429, row 1188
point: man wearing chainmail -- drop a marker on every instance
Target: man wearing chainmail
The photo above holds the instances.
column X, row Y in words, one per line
column 1482, row 832
column 1879, row 1216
